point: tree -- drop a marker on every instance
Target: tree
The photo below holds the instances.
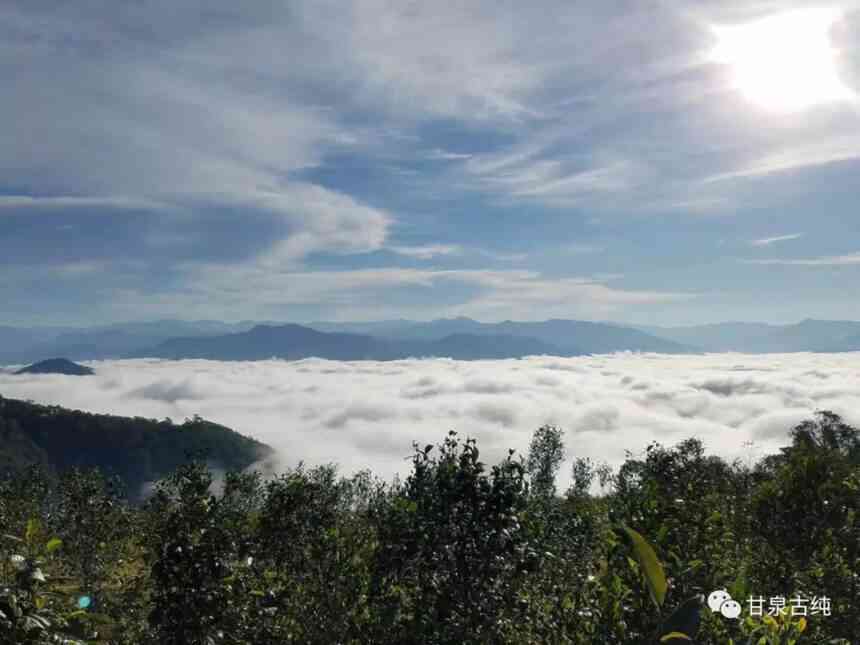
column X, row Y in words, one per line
column 546, row 453
column 452, row 550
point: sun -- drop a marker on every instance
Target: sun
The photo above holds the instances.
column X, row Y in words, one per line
column 785, row 62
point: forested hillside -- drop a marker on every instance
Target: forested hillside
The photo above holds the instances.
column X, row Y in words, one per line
column 137, row 450
column 458, row 552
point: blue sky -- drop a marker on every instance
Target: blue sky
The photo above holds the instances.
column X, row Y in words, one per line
column 373, row 159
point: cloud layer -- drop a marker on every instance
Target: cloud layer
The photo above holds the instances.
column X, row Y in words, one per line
column 367, row 414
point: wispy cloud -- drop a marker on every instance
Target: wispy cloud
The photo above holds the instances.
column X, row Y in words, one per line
column 578, row 248
column 541, row 174
column 489, row 294
column 501, row 256
column 538, row 298
column 445, row 155
column 767, row 241
column 784, row 159
column 21, row 203
column 428, row 251
column 431, row 251
column 851, row 259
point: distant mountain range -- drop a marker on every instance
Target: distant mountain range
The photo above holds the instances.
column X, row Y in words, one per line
column 575, row 336
column 296, row 341
column 459, row 338
column 20, row 345
column 758, row 338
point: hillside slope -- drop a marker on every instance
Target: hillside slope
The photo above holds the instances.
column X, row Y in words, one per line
column 138, row 450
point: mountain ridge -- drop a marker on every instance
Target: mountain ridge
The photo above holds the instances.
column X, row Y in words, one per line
column 138, row 450
column 292, row 342
column 568, row 336
column 444, row 336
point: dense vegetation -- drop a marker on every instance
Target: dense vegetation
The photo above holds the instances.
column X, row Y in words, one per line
column 458, row 552
column 137, row 450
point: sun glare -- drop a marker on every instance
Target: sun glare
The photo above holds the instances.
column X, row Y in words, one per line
column 784, row 62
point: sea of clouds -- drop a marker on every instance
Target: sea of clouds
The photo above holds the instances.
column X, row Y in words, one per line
column 367, row 414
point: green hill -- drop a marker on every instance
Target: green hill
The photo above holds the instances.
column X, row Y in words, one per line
column 138, row 450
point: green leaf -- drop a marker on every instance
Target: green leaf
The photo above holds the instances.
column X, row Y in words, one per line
column 53, row 544
column 33, row 527
column 695, row 564
column 671, row 636
column 738, row 588
column 655, row 578
column 801, row 625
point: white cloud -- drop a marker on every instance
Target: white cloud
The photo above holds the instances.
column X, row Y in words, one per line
column 367, row 414
column 851, row 259
column 428, row 251
column 784, row 159
column 444, row 155
column 451, row 60
column 767, row 241
column 115, row 203
column 324, row 220
column 534, row 297
column 170, row 125
column 77, row 269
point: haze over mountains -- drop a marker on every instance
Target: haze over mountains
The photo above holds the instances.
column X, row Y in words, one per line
column 26, row 345
column 296, row 342
column 458, row 338
column 759, row 338
column 583, row 336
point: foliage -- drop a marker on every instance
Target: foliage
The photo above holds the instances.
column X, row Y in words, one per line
column 546, row 453
column 458, row 552
column 29, row 614
column 453, row 553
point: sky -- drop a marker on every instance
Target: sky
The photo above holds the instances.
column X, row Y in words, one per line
column 666, row 162
column 367, row 414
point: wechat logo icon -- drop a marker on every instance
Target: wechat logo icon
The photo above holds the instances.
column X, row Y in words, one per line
column 721, row 601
